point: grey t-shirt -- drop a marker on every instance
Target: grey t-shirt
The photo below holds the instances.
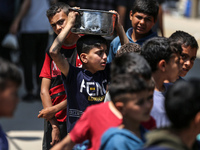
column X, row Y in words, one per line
column 158, row 111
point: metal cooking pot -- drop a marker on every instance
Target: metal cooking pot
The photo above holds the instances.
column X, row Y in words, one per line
column 94, row 22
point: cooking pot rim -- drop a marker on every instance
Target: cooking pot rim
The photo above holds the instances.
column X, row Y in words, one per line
column 93, row 10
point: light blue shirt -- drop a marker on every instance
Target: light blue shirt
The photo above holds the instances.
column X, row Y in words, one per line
column 115, row 44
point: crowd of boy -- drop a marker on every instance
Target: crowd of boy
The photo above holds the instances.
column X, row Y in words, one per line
column 136, row 95
column 104, row 105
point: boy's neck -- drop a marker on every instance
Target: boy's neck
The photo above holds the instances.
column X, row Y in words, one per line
column 132, row 126
column 71, row 40
column 135, row 37
column 159, row 81
column 114, row 110
column 187, row 136
column 85, row 66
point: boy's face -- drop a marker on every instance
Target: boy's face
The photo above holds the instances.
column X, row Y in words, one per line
column 95, row 59
column 187, row 59
column 173, row 68
column 139, row 106
column 141, row 22
column 58, row 21
column 8, row 100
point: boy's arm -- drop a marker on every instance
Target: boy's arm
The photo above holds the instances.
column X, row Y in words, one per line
column 54, row 51
column 55, row 133
column 120, row 30
column 46, row 102
column 160, row 20
column 65, row 144
column 122, row 13
column 49, row 112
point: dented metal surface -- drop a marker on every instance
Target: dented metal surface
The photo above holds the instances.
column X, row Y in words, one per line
column 94, row 22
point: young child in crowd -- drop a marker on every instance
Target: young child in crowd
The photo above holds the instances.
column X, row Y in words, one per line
column 87, row 85
column 52, row 88
column 93, row 123
column 182, row 106
column 10, row 80
column 126, row 48
column 130, row 95
column 189, row 50
column 164, row 59
column 143, row 16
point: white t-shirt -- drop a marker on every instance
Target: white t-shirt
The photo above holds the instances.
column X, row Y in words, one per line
column 158, row 111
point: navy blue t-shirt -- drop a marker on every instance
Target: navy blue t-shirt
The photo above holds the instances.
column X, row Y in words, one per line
column 3, row 140
column 83, row 89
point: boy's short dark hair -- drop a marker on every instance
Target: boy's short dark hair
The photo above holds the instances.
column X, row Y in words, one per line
column 182, row 102
column 149, row 7
column 159, row 48
column 126, row 67
column 9, row 72
column 56, row 8
column 126, row 84
column 151, row 84
column 184, row 39
column 128, row 48
column 88, row 42
column 130, row 63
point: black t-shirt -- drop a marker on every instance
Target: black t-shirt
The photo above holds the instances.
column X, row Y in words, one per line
column 84, row 89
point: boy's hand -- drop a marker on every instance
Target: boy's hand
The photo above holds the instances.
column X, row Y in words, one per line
column 120, row 29
column 47, row 113
column 117, row 22
column 55, row 134
column 58, row 146
column 72, row 17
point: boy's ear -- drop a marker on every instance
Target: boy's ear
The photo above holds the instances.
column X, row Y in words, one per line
column 195, row 123
column 83, row 57
column 162, row 65
column 119, row 106
column 131, row 15
column 197, row 118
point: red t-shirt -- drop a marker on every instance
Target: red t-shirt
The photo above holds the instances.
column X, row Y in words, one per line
column 51, row 71
column 93, row 123
column 150, row 124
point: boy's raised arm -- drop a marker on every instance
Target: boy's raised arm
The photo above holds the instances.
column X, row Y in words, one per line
column 54, row 51
column 120, row 30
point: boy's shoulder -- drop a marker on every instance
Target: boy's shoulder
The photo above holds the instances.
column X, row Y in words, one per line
column 97, row 108
column 117, row 132
column 76, row 74
column 120, row 137
column 116, row 40
column 151, row 34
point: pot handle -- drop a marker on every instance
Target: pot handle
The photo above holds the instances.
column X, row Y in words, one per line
column 77, row 10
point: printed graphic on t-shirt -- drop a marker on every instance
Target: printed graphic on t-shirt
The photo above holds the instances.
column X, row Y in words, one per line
column 55, row 70
column 95, row 91
column 78, row 62
column 75, row 113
